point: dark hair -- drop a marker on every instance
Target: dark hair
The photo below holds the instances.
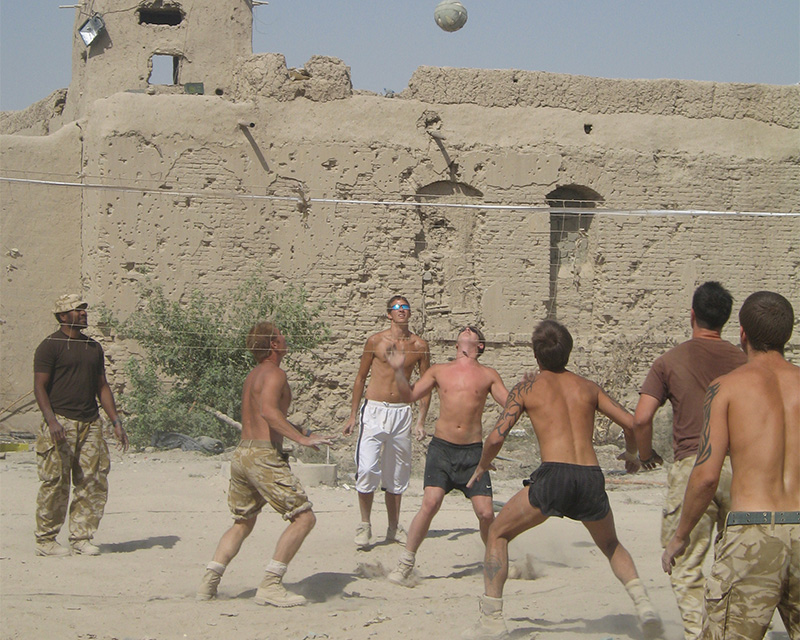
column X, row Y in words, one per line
column 712, row 305
column 259, row 340
column 392, row 301
column 477, row 332
column 767, row 320
column 552, row 344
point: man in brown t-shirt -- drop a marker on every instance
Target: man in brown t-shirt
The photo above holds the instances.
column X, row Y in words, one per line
column 69, row 378
column 681, row 376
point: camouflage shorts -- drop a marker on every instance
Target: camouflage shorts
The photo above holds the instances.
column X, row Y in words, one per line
column 757, row 568
column 260, row 475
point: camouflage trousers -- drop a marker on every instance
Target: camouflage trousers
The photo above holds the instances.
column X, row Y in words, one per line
column 259, row 475
column 81, row 460
column 687, row 577
column 757, row 569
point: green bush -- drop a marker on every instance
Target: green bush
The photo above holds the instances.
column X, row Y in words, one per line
column 195, row 356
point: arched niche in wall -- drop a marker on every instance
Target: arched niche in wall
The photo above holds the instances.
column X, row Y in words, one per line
column 449, row 188
column 432, row 218
column 569, row 233
column 445, row 246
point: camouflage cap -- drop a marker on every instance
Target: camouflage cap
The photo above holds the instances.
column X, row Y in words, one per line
column 68, row 302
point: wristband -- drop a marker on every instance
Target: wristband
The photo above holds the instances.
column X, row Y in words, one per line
column 116, row 421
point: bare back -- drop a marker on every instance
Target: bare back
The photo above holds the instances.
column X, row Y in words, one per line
column 463, row 386
column 762, row 399
column 265, row 391
column 561, row 407
column 382, row 386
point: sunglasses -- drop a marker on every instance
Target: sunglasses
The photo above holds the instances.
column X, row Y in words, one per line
column 398, row 306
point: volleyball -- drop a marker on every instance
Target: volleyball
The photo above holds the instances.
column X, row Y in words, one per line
column 450, row 15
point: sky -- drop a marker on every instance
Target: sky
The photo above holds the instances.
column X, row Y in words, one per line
column 384, row 42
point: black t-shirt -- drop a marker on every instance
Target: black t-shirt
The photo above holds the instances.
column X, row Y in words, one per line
column 75, row 367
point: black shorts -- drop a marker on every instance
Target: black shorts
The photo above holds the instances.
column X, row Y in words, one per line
column 450, row 466
column 572, row 490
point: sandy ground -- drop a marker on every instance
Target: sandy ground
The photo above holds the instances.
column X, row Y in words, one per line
column 167, row 510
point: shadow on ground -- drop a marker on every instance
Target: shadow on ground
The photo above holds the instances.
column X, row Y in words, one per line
column 165, row 542
column 319, row 587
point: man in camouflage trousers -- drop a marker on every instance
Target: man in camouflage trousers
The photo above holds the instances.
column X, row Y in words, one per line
column 754, row 412
column 681, row 375
column 69, row 377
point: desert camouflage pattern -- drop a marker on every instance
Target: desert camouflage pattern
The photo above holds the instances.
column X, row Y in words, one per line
column 757, row 568
column 82, row 461
column 687, row 577
column 259, row 475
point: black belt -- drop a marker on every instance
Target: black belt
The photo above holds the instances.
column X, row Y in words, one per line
column 763, row 517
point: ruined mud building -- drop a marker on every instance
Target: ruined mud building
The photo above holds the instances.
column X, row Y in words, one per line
column 572, row 196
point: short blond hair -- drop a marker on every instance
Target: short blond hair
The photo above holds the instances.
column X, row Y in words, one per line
column 259, row 340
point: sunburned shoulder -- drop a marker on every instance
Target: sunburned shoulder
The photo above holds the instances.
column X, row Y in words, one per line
column 263, row 370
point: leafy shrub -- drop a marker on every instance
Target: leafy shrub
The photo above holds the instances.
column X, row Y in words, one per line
column 195, row 356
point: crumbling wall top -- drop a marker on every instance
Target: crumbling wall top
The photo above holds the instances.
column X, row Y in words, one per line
column 776, row 104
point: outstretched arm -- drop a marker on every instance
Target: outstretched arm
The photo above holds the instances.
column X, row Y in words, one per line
column 498, row 390
column 616, row 412
column 514, row 407
column 269, row 408
column 409, row 392
column 358, row 386
column 643, row 429
column 425, row 399
column 705, row 474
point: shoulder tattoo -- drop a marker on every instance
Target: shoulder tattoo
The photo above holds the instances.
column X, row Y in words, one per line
column 704, row 450
column 514, row 407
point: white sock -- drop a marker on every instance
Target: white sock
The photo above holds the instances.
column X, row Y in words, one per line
column 408, row 557
column 216, row 567
column 278, row 568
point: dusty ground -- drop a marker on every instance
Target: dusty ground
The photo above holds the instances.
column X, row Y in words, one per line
column 167, row 510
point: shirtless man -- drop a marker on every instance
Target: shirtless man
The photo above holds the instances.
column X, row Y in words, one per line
column 754, row 412
column 463, row 385
column 569, row 482
column 383, row 453
column 260, row 472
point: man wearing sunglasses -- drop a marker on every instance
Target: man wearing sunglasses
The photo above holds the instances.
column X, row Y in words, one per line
column 463, row 385
column 383, row 452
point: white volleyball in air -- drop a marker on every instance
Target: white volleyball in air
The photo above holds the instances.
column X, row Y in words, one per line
column 450, row 15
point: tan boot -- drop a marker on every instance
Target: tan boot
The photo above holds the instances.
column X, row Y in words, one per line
column 85, row 548
column 491, row 625
column 648, row 618
column 210, row 582
column 51, row 549
column 271, row 591
column 401, row 574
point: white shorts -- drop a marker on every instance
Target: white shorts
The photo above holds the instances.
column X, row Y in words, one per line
column 383, row 454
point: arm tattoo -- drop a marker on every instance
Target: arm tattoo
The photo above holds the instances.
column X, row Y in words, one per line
column 513, row 409
column 614, row 402
column 704, row 451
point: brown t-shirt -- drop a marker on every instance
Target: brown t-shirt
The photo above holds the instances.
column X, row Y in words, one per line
column 75, row 367
column 682, row 376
